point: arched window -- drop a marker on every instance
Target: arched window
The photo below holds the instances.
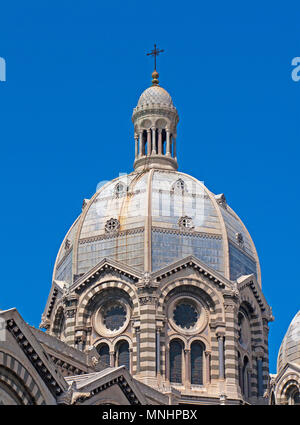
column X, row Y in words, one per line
column 176, row 361
column 103, row 351
column 123, row 358
column 197, row 349
column 273, row 399
column 296, row 398
column 246, row 378
column 293, row 395
column 240, row 373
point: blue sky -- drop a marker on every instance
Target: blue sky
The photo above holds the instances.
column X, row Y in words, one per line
column 75, row 70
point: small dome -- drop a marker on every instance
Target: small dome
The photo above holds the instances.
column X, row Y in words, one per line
column 290, row 347
column 155, row 94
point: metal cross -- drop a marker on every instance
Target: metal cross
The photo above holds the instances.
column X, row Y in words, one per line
column 155, row 52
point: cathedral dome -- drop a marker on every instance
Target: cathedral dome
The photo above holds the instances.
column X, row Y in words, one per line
column 148, row 220
column 156, row 215
column 289, row 351
column 155, row 95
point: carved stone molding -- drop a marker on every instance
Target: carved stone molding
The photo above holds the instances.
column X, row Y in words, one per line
column 70, row 313
column 147, row 282
column 45, row 323
column 148, row 299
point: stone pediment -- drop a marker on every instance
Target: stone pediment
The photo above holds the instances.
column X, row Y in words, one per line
column 104, row 266
column 56, row 291
column 251, row 282
column 112, row 383
column 194, row 263
column 23, row 340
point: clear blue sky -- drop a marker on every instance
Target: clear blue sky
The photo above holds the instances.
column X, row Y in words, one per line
column 75, row 70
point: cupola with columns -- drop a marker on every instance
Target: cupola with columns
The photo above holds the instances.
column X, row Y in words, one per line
column 155, row 120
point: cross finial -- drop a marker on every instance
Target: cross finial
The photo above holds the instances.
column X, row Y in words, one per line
column 155, row 52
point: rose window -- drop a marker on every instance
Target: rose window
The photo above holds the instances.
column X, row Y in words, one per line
column 114, row 317
column 186, row 222
column 112, row 225
column 185, row 315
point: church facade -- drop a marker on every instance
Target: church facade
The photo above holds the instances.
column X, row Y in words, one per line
column 156, row 295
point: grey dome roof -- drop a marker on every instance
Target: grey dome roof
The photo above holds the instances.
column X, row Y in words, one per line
column 289, row 351
column 154, row 196
column 154, row 95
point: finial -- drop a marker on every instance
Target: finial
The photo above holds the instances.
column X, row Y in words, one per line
column 155, row 52
column 155, row 76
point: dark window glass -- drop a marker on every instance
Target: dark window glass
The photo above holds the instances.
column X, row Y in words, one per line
column 176, row 362
column 197, row 363
column 123, row 354
column 185, row 315
column 103, row 351
column 115, row 317
column 297, row 398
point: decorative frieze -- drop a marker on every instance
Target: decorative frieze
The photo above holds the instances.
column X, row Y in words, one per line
column 148, row 299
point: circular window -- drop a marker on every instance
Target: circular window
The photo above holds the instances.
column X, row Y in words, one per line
column 112, row 225
column 185, row 315
column 114, row 317
column 186, row 223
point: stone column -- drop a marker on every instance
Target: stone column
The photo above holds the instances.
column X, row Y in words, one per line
column 159, row 141
column 207, row 367
column 153, row 141
column 130, row 360
column 174, row 148
column 187, row 368
column 158, row 351
column 221, row 356
column 138, row 353
column 168, row 148
column 136, row 146
column 112, row 358
column 141, row 144
column 149, row 148
column 167, row 364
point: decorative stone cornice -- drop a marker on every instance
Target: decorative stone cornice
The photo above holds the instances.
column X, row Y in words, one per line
column 63, row 364
column 52, row 302
column 193, row 263
column 182, row 231
column 250, row 282
column 73, row 396
column 94, row 274
column 111, row 235
column 34, row 358
column 169, row 112
column 148, row 299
